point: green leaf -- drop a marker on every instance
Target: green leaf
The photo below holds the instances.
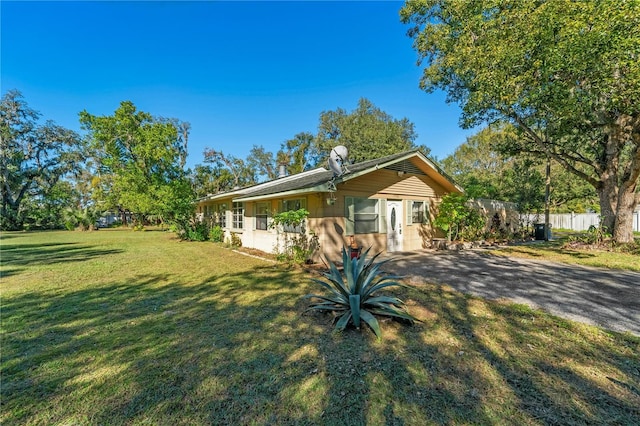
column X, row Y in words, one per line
column 372, row 322
column 342, row 322
column 354, row 303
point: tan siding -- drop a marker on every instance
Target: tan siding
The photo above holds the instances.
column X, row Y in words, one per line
column 387, row 184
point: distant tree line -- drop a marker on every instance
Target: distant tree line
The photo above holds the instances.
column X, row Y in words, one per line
column 367, row 132
column 133, row 164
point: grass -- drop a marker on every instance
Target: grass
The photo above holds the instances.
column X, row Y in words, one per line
column 121, row 327
column 555, row 250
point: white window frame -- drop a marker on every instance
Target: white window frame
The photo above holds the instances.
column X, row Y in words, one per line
column 237, row 215
column 221, row 215
column 424, row 211
column 267, row 207
column 351, row 218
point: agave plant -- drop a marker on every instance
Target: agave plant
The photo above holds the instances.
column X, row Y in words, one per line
column 352, row 294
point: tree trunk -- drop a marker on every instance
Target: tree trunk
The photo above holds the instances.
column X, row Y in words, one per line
column 608, row 205
column 619, row 178
column 623, row 227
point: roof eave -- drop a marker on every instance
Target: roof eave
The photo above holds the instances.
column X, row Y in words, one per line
column 317, row 188
column 408, row 155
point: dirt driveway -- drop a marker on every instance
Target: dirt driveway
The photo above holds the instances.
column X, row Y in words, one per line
column 603, row 297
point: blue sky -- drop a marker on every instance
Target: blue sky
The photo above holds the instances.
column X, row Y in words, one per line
column 242, row 73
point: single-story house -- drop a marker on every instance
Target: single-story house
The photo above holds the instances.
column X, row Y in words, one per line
column 385, row 203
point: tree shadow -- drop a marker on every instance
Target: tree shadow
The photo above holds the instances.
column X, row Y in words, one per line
column 51, row 253
column 548, row 382
column 231, row 347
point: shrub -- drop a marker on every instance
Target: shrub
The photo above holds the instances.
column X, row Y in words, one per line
column 216, row 234
column 235, row 240
column 458, row 219
column 191, row 229
column 298, row 246
column 595, row 235
column 199, row 231
column 351, row 296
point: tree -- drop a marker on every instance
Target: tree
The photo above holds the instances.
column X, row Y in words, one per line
column 263, row 163
column 457, row 218
column 485, row 172
column 367, row 132
column 296, row 153
column 139, row 161
column 231, row 172
column 565, row 73
column 477, row 166
column 33, row 157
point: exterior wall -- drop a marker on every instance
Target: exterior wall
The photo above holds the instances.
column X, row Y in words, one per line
column 507, row 213
column 383, row 185
column 388, row 184
column 327, row 219
column 264, row 240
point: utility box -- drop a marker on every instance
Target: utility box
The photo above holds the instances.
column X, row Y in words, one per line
column 539, row 233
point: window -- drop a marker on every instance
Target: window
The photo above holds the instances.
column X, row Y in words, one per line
column 221, row 216
column 293, row 205
column 416, row 212
column 237, row 218
column 262, row 213
column 363, row 215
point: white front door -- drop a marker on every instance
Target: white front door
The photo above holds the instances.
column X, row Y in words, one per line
column 394, row 225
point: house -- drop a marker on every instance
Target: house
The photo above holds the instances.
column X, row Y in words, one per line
column 385, row 203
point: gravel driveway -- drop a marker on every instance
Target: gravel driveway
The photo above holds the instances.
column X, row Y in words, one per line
column 603, row 297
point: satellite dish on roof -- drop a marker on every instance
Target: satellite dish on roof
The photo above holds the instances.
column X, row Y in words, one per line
column 338, row 160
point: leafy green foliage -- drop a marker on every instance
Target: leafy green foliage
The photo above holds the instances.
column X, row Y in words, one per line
column 235, row 240
column 298, row 246
column 565, row 73
column 34, row 158
column 81, row 219
column 484, row 171
column 458, row 219
column 368, row 133
column 595, row 235
column 216, row 234
column 199, row 231
column 140, row 162
column 227, row 171
column 352, row 295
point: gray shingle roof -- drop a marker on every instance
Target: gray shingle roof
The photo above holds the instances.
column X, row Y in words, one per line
column 313, row 180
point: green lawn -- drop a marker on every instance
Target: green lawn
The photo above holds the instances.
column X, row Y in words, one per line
column 122, row 327
column 556, row 251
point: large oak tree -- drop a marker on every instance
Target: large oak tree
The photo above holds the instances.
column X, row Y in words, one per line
column 33, row 157
column 566, row 73
column 140, row 162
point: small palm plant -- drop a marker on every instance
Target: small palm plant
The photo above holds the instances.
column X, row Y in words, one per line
column 351, row 296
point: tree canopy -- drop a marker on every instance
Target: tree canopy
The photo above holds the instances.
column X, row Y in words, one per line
column 34, row 158
column 140, row 162
column 367, row 132
column 565, row 73
column 485, row 172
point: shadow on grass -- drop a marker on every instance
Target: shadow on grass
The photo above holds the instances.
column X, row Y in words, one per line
column 544, row 361
column 50, row 253
column 235, row 349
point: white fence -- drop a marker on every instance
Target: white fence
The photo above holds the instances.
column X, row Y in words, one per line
column 575, row 221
